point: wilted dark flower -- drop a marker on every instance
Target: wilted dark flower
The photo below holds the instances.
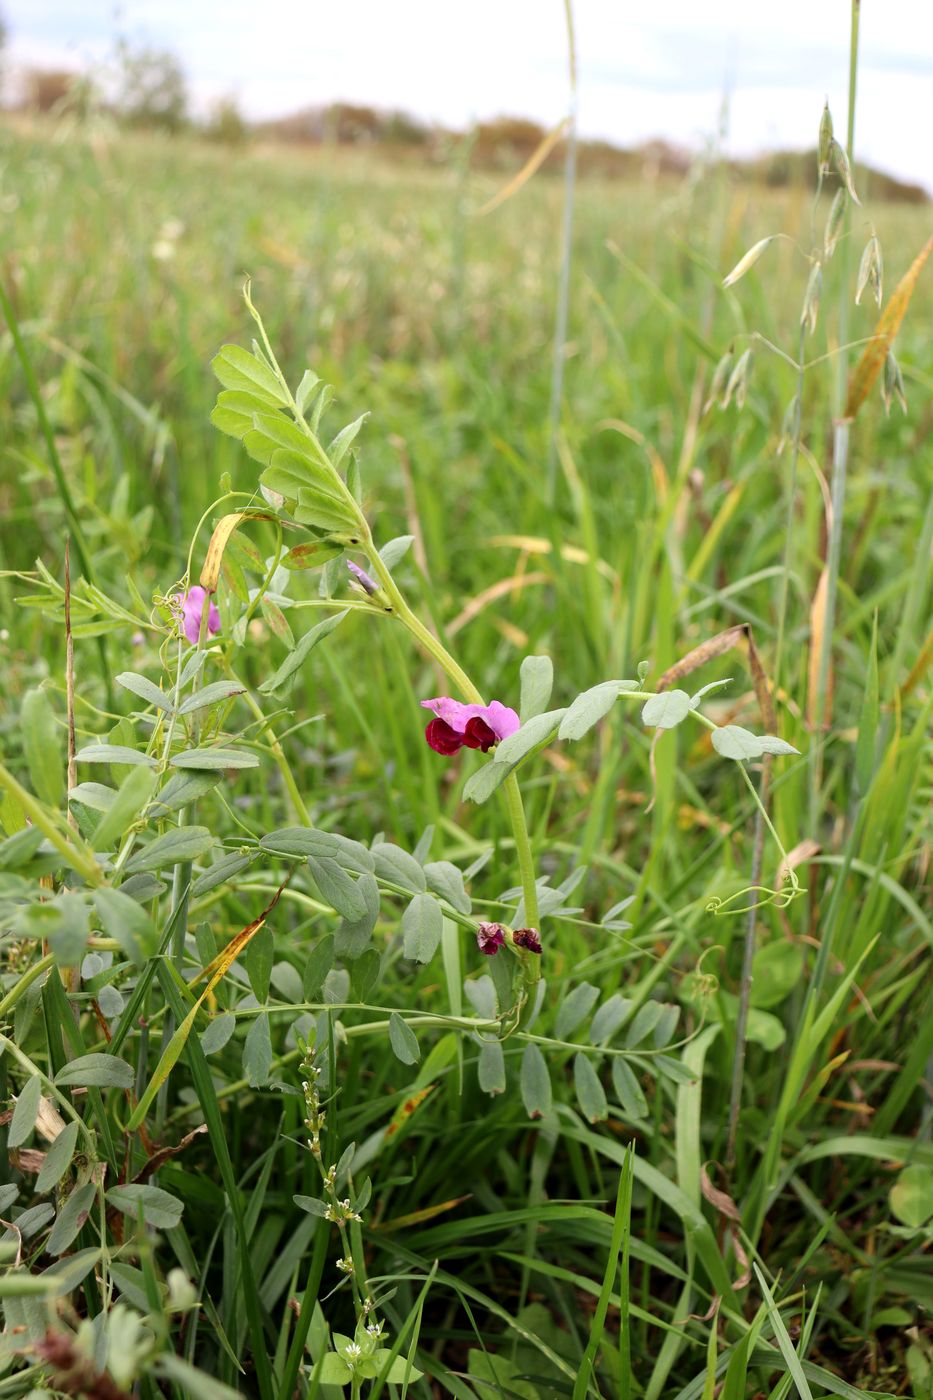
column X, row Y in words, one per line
column 528, row 938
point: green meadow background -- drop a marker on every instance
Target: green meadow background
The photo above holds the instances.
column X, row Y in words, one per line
column 645, row 526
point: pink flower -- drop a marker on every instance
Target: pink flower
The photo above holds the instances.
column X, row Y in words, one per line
column 475, row 726
column 192, row 606
column 490, row 938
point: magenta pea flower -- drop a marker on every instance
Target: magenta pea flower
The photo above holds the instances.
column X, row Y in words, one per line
column 490, row 938
column 192, row 606
column 472, row 726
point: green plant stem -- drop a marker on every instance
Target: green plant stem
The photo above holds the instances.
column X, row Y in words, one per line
column 32, row 384
column 14, row 1051
column 745, row 990
column 789, row 513
column 563, row 286
column 281, row 762
column 513, row 796
column 841, row 432
column 26, row 981
column 77, row 854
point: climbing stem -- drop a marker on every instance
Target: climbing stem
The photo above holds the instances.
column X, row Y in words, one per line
column 281, row 762
column 511, row 790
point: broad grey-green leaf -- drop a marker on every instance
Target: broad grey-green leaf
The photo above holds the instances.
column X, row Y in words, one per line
column 446, row 879
column 295, row 659
column 393, row 551
column 217, row 1032
column 63, row 921
column 319, row 963
column 574, row 1008
column 313, row 1205
column 259, row 957
column 122, row 918
column 306, row 389
column 145, row 689
column 666, row 710
column 257, row 1052
column 114, row 753
column 158, row 1207
column 42, row 745
column 183, row 788
column 344, row 440
column 590, row 707
column 333, row 1370
column 143, row 887
column 491, row 1067
column 211, row 695
column 97, row 1071
column 627, row 1089
column 308, row 841
column 322, row 511
column 237, row 369
column 422, row 926
column 911, row 1196
column 537, row 1095
column 57, row 1158
column 72, row 1216
column 537, row 680
column 590, row 1093
column 731, row 741
column 234, row 412
column 215, row 760
column 483, row 783
column 312, row 554
column 675, row 1070
column 98, row 796
column 646, row 1018
column 608, row 1018
column 24, row 1112
column 403, row 1040
column 18, row 850
column 353, row 936
column 398, row 867
column 337, row 887
column 181, row 843
column 31, row 1221
column 667, row 1025
column 537, row 731
column 698, row 695
column 223, row 869
column 481, row 994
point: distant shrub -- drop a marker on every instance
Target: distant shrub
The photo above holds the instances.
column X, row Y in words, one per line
column 227, row 124
column 151, row 88
column 47, row 90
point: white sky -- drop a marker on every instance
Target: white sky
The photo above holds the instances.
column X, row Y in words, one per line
column 651, row 68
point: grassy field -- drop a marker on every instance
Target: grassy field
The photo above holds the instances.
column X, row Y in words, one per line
column 555, row 1205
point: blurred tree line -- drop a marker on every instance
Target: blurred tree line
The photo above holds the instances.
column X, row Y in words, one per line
column 145, row 87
